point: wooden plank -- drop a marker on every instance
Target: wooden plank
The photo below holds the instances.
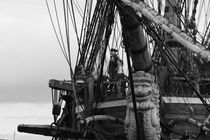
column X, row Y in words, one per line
column 184, row 100
column 110, row 104
column 118, row 112
column 181, row 116
column 183, row 109
column 60, row 85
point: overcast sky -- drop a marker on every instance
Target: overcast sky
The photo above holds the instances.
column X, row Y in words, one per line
column 29, row 57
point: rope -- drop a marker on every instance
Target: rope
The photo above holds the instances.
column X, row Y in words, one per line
column 51, row 19
column 81, row 33
column 205, row 34
column 160, row 43
column 126, row 43
column 79, row 9
column 89, row 37
column 72, row 15
column 59, row 28
column 200, row 11
column 66, row 17
column 107, row 36
column 154, row 34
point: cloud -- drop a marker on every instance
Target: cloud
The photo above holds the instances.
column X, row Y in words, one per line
column 24, row 137
column 31, row 137
column 22, row 113
column 6, row 19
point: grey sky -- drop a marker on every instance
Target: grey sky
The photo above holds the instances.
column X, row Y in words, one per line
column 29, row 52
column 29, row 57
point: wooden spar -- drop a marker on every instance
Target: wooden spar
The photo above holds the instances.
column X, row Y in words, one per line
column 137, row 122
column 103, row 118
column 177, row 34
column 141, row 58
column 190, row 121
column 140, row 55
column 60, row 85
column 198, row 124
column 54, row 131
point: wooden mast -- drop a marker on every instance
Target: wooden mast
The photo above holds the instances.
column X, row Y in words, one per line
column 144, row 123
column 141, row 58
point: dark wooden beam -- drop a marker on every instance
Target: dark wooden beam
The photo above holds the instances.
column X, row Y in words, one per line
column 54, row 131
column 60, row 85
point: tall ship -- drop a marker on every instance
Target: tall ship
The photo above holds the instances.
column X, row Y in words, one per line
column 140, row 70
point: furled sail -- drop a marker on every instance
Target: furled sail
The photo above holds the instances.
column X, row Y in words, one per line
column 178, row 35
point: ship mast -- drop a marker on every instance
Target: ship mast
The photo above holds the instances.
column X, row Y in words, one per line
column 139, row 110
column 99, row 104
